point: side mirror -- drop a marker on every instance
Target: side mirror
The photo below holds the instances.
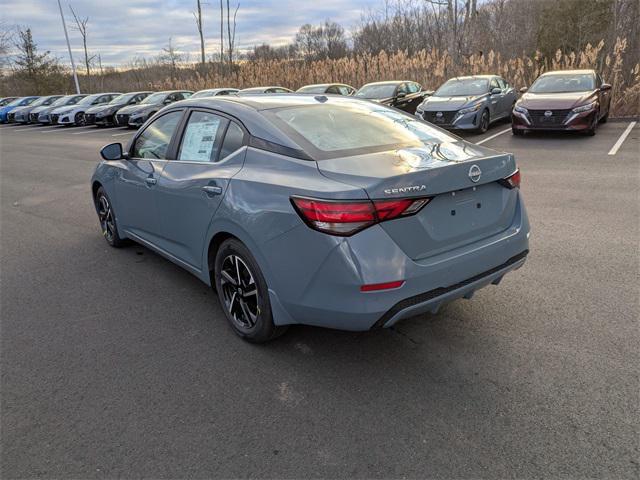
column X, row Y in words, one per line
column 523, row 90
column 401, row 94
column 113, row 151
column 496, row 91
column 604, row 87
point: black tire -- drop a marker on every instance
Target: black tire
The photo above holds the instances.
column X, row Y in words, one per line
column 517, row 132
column 107, row 219
column 243, row 293
column 79, row 119
column 592, row 130
column 605, row 118
column 483, row 126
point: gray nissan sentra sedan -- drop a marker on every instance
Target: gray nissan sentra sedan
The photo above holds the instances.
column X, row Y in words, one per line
column 328, row 211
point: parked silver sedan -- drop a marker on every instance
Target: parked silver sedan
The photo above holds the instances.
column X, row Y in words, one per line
column 469, row 103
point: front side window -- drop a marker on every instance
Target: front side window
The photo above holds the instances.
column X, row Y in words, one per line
column 384, row 90
column 202, row 137
column 495, row 84
column 154, row 141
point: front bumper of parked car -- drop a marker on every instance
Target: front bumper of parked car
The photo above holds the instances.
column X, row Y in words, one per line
column 65, row 119
column 558, row 119
column 333, row 297
column 451, row 119
column 137, row 120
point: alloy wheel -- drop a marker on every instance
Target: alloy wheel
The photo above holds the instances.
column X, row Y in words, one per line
column 239, row 291
column 105, row 215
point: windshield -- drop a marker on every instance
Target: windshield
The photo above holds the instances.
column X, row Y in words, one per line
column 464, row 87
column 155, row 98
column 204, row 93
column 15, row 102
column 88, row 100
column 313, row 89
column 40, row 101
column 563, row 83
column 354, row 128
column 124, row 98
column 386, row 90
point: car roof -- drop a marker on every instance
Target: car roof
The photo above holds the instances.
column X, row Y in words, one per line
column 389, row 82
column 464, row 77
column 324, row 85
column 570, row 72
column 256, row 89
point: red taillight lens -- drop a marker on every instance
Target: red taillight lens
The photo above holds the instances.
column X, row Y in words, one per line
column 348, row 217
column 512, row 181
column 374, row 287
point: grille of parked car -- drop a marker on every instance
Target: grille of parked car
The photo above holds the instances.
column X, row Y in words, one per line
column 445, row 117
column 540, row 117
column 122, row 119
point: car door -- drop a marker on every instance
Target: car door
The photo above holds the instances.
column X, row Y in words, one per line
column 508, row 98
column 604, row 96
column 400, row 99
column 495, row 99
column 191, row 187
column 136, row 182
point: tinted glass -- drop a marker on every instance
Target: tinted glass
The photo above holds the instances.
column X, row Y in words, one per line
column 233, row 140
column 314, row 89
column 377, row 91
column 154, row 141
column 154, row 98
column 463, row 87
column 203, row 93
column 351, row 128
column 344, row 90
column 414, row 87
column 563, row 83
column 201, row 139
column 494, row 83
column 124, row 98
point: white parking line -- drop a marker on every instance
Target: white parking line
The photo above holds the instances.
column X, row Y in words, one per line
column 493, row 136
column 57, row 128
column 120, row 134
column 623, row 137
column 90, row 130
column 36, row 129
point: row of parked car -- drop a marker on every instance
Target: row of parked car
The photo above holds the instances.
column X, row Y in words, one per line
column 561, row 100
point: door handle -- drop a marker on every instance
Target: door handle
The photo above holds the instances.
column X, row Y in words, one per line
column 151, row 181
column 212, row 190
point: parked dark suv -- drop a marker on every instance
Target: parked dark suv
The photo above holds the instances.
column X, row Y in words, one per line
column 402, row 94
column 563, row 100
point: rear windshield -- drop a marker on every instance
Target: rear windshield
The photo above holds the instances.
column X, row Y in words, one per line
column 354, row 128
column 464, row 87
column 563, row 83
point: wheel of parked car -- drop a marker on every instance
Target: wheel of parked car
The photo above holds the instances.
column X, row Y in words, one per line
column 483, row 126
column 517, row 132
column 79, row 118
column 107, row 218
column 594, row 124
column 243, row 293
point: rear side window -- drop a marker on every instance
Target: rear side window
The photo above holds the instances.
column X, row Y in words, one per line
column 202, row 137
column 233, row 140
column 154, row 141
column 184, row 95
column 494, row 83
column 414, row 87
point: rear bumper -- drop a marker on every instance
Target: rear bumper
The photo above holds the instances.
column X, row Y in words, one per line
column 328, row 293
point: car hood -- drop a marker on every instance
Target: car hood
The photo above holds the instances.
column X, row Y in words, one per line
column 449, row 103
column 60, row 110
column 100, row 108
column 135, row 109
column 560, row 101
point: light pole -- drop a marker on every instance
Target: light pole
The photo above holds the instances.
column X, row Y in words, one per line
column 66, row 35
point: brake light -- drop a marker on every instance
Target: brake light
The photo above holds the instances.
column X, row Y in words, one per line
column 374, row 287
column 512, row 181
column 347, row 217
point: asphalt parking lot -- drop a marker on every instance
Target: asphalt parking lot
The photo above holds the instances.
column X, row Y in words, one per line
column 117, row 363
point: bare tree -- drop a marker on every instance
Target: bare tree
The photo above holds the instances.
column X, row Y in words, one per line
column 221, row 34
column 171, row 57
column 81, row 26
column 198, row 16
column 231, row 32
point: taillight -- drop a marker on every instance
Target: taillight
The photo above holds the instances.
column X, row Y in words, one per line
column 512, row 181
column 350, row 216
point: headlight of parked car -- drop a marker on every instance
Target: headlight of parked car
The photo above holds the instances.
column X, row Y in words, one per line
column 473, row 108
column 521, row 110
column 584, row 108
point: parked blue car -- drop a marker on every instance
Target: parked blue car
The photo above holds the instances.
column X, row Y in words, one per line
column 18, row 102
column 469, row 103
column 325, row 210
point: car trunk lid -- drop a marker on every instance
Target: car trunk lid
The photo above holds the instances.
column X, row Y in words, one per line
column 467, row 202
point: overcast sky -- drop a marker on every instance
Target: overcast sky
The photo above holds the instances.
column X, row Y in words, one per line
column 122, row 29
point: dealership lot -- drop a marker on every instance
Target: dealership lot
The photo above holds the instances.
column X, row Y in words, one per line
column 119, row 363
